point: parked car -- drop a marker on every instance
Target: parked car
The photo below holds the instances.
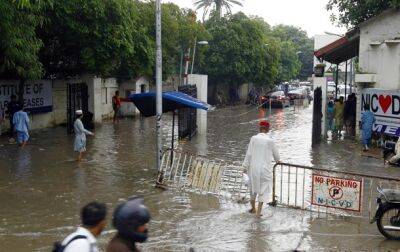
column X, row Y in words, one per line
column 297, row 94
column 278, row 100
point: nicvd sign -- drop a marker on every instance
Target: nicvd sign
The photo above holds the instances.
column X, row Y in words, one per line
column 385, row 104
column 336, row 193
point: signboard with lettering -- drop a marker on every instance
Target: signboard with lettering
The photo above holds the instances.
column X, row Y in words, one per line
column 336, row 193
column 385, row 104
column 38, row 96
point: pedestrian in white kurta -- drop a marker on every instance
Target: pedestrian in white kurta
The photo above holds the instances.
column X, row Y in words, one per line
column 80, row 135
column 258, row 162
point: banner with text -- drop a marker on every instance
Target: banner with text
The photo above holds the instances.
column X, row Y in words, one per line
column 336, row 193
column 385, row 104
column 38, row 97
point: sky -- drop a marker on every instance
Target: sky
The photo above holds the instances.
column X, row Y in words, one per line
column 310, row 15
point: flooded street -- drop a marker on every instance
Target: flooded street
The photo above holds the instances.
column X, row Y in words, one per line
column 42, row 188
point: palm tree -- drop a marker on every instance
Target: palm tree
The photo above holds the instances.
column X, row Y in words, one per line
column 217, row 5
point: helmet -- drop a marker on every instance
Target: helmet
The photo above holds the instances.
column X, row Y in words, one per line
column 130, row 215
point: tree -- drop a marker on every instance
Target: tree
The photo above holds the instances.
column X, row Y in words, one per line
column 289, row 64
column 217, row 5
column 179, row 30
column 353, row 12
column 303, row 44
column 100, row 37
column 237, row 52
column 19, row 44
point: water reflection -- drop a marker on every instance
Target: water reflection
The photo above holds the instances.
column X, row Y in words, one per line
column 23, row 168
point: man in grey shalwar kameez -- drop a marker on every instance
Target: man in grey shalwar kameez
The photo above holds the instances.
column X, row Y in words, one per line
column 80, row 135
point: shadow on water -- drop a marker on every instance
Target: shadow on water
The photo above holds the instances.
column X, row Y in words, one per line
column 42, row 188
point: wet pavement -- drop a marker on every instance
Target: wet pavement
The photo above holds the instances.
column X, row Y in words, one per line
column 42, row 188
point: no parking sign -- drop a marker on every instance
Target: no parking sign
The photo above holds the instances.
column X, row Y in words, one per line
column 336, row 193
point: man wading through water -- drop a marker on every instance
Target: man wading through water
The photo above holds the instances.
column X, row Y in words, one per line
column 258, row 159
column 80, row 135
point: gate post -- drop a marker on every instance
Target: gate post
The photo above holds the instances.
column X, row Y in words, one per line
column 321, row 83
column 317, row 117
column 274, row 201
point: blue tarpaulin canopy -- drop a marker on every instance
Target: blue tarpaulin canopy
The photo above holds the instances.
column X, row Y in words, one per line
column 172, row 100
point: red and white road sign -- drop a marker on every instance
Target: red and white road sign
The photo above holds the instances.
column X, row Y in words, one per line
column 336, row 192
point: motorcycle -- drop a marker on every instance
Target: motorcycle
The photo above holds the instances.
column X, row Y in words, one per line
column 387, row 216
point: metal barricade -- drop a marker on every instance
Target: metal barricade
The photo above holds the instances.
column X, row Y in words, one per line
column 296, row 186
column 189, row 172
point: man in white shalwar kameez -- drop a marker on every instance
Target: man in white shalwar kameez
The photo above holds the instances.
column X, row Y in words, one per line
column 258, row 162
column 80, row 135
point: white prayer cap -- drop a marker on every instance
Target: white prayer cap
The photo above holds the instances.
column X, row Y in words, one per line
column 79, row 112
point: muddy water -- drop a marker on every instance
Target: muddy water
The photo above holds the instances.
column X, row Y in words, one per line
column 42, row 188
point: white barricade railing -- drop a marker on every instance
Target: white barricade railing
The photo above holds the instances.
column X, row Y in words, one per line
column 293, row 185
column 190, row 172
column 297, row 186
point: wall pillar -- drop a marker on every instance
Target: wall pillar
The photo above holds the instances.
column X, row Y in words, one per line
column 201, row 82
column 322, row 83
column 95, row 104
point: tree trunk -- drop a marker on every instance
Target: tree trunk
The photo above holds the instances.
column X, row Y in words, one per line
column 218, row 8
column 21, row 91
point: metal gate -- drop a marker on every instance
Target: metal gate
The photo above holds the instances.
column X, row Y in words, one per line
column 77, row 98
column 188, row 172
column 187, row 126
column 292, row 185
column 317, row 117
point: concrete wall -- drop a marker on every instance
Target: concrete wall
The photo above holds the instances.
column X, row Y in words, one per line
column 244, row 90
column 132, row 87
column 379, row 59
column 201, row 82
column 108, row 88
column 100, row 93
column 57, row 115
column 377, row 56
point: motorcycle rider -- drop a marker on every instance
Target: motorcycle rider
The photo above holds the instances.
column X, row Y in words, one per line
column 130, row 219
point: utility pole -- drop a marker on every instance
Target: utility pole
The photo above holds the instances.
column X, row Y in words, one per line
column 158, row 86
column 186, row 59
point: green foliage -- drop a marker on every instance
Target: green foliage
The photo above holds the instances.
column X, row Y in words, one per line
column 117, row 38
column 290, row 64
column 237, row 52
column 179, row 31
column 19, row 45
column 100, row 37
column 353, row 12
column 304, row 48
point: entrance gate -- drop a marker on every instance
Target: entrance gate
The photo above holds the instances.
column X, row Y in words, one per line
column 77, row 98
column 187, row 126
column 317, row 116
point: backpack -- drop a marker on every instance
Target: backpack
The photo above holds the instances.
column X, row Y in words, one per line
column 58, row 247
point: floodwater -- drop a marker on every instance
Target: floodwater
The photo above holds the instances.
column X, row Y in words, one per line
column 42, row 189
